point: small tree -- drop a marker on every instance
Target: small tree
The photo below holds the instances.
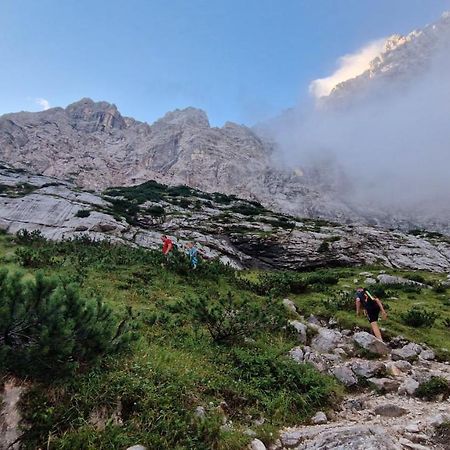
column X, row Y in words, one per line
column 47, row 329
column 230, row 319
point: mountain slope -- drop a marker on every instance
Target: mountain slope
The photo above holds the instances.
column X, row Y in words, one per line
column 239, row 232
column 93, row 145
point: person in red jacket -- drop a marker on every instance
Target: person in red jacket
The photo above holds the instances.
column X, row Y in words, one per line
column 167, row 245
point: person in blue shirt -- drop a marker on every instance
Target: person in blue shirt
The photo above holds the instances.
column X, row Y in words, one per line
column 192, row 252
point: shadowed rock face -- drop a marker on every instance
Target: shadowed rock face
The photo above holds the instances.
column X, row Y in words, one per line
column 224, row 227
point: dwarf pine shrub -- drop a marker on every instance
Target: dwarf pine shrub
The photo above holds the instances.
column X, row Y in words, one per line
column 47, row 329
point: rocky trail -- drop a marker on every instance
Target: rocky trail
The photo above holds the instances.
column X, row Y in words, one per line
column 381, row 410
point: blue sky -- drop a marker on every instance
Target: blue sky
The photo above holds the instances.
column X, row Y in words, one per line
column 240, row 60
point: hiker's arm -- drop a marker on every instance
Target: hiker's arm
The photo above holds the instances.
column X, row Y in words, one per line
column 380, row 305
column 358, row 306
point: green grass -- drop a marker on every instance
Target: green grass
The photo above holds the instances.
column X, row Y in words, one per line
column 173, row 368
column 176, row 366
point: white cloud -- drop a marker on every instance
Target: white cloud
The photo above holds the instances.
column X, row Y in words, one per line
column 43, row 103
column 350, row 66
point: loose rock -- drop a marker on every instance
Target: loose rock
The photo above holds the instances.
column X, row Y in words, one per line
column 345, row 376
column 326, row 340
column 409, row 352
column 389, row 410
column 370, row 343
column 319, row 418
column 301, row 330
column 408, row 387
column 384, row 384
column 289, row 305
column 256, row 444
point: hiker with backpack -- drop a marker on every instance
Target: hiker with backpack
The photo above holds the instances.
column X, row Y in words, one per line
column 371, row 307
column 192, row 252
column 167, row 246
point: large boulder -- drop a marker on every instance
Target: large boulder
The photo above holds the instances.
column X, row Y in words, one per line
column 338, row 437
column 345, row 376
column 391, row 279
column 326, row 340
column 384, row 385
column 367, row 369
column 370, row 343
column 409, row 352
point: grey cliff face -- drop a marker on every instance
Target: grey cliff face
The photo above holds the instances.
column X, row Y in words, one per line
column 92, row 145
column 225, row 227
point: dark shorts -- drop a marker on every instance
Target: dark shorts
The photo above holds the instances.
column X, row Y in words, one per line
column 373, row 314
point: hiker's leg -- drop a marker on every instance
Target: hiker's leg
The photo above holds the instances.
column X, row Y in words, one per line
column 376, row 330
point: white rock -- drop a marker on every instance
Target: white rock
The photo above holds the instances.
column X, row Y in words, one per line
column 409, row 352
column 319, row 418
column 439, row 419
column 289, row 305
column 370, row 281
column 345, row 376
column 326, row 340
column 297, row 354
column 411, row 445
column 301, row 329
column 256, row 444
column 370, row 343
column 427, row 354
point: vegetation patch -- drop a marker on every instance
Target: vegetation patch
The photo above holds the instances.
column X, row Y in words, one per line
column 18, row 190
column 83, row 213
column 419, row 317
column 47, row 329
column 432, row 388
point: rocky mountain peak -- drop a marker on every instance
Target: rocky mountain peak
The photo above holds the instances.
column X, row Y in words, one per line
column 90, row 116
column 404, row 58
column 190, row 117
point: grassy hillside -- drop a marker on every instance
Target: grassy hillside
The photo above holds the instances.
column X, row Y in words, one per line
column 211, row 338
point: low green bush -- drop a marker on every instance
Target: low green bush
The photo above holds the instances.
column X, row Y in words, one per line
column 25, row 237
column 83, row 213
column 340, row 301
column 439, row 288
column 229, row 318
column 324, row 247
column 323, row 277
column 380, row 291
column 281, row 283
column 47, row 329
column 286, row 390
column 36, row 258
column 416, row 277
column 419, row 317
column 248, row 209
column 433, row 387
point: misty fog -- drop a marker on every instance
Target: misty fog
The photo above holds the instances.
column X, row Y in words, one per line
column 393, row 142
